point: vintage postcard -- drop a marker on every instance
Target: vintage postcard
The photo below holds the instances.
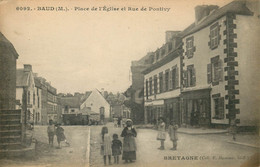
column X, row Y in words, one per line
column 90, row 83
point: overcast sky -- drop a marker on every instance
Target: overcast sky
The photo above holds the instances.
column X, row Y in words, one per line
column 78, row 50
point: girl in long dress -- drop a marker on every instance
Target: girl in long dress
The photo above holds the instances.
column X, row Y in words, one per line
column 129, row 145
column 172, row 130
column 106, row 144
column 161, row 133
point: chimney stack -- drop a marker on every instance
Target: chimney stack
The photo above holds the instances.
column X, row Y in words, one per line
column 202, row 11
column 27, row 67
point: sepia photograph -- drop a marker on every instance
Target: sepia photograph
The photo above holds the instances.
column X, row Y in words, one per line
column 145, row 83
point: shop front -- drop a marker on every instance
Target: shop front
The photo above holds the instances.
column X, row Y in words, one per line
column 153, row 111
column 196, row 108
column 172, row 110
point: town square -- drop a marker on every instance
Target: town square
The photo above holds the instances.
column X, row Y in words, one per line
column 89, row 84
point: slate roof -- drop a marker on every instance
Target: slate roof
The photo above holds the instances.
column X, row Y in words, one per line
column 236, row 7
column 6, row 44
column 73, row 101
column 21, row 78
column 85, row 96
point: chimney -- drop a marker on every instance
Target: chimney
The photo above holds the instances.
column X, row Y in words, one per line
column 169, row 35
column 202, row 11
column 27, row 67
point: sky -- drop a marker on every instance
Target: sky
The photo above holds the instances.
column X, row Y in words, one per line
column 79, row 51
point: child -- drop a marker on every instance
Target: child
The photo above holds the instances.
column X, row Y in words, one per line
column 51, row 132
column 233, row 128
column 172, row 130
column 106, row 145
column 161, row 133
column 116, row 148
column 60, row 135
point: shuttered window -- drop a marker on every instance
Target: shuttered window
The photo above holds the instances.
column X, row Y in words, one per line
column 155, row 84
column 161, row 82
column 215, row 71
column 219, row 108
column 170, row 80
column 190, row 76
column 190, row 48
column 146, row 89
column 166, row 80
column 214, row 36
column 150, row 86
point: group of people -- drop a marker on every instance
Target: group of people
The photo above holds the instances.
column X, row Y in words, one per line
column 57, row 130
column 172, row 131
column 114, row 148
column 118, row 122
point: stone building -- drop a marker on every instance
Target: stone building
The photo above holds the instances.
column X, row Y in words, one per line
column 219, row 63
column 25, row 87
column 8, row 57
column 162, row 81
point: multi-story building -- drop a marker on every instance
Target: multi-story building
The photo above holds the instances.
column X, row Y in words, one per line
column 218, row 63
column 46, row 102
column 38, row 107
column 26, row 92
column 52, row 106
column 162, row 81
column 135, row 93
column 7, row 74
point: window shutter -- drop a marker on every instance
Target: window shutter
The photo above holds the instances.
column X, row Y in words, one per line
column 184, row 78
column 170, row 79
column 163, row 88
column 177, row 78
column 221, row 107
column 193, row 77
column 152, row 86
column 220, row 70
column 209, row 73
column 145, row 89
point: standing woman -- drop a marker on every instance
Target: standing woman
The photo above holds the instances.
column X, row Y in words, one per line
column 129, row 145
column 161, row 133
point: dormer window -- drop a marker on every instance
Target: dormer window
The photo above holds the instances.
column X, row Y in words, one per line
column 169, row 46
column 157, row 55
column 163, row 52
column 214, row 36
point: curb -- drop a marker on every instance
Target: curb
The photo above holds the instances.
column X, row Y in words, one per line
column 243, row 144
column 201, row 133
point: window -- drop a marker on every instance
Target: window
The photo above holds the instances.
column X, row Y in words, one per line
column 72, row 110
column 190, row 47
column 33, row 98
column 215, row 71
column 161, row 82
column 146, row 89
column 169, row 46
column 189, row 76
column 214, row 36
column 166, row 80
column 38, row 101
column 150, row 86
column 157, row 55
column 174, row 75
column 155, row 84
column 29, row 97
column 163, row 51
column 219, row 108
